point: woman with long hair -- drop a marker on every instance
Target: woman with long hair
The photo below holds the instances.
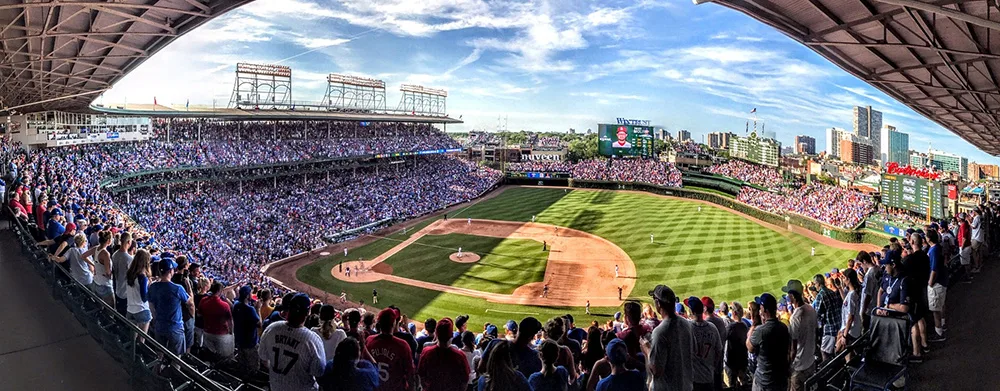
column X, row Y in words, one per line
column 347, row 371
column 551, row 377
column 593, row 349
column 328, row 331
column 136, row 293
column 850, row 330
column 103, row 280
column 500, row 373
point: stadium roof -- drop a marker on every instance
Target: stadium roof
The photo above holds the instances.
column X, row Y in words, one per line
column 75, row 49
column 937, row 57
column 161, row 111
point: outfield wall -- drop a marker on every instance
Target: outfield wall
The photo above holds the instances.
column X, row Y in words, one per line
column 782, row 220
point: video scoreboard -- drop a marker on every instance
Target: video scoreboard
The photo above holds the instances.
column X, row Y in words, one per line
column 915, row 194
column 625, row 140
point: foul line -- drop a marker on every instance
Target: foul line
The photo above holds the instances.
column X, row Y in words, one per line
column 512, row 312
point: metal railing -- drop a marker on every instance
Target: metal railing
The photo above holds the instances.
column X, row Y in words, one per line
column 150, row 366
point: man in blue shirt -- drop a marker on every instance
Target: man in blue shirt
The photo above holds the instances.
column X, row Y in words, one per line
column 937, row 285
column 621, row 378
column 246, row 322
column 166, row 299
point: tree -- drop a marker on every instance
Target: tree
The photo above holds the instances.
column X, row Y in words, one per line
column 583, row 148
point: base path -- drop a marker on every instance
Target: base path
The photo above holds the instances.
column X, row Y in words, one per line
column 580, row 267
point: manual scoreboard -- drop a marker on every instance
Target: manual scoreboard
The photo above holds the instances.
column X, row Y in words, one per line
column 625, row 140
column 918, row 195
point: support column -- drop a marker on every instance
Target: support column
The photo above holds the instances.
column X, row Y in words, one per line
column 328, row 126
column 241, row 187
column 169, row 122
column 275, row 130
column 128, row 197
column 168, row 191
column 199, row 131
column 275, row 182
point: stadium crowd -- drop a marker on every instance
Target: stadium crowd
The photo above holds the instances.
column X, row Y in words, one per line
column 760, row 175
column 691, row 147
column 540, row 166
column 833, row 205
column 163, row 282
column 629, row 170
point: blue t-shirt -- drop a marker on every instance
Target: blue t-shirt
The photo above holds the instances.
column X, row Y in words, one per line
column 625, row 381
column 363, row 377
column 54, row 229
column 577, row 334
column 520, row 384
column 166, row 299
column 558, row 381
column 525, row 358
column 938, row 264
column 245, row 320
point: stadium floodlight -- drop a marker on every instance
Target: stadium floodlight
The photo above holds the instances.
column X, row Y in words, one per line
column 264, row 69
column 422, row 90
column 355, row 80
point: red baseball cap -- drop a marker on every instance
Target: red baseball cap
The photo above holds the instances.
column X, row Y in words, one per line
column 707, row 302
column 444, row 327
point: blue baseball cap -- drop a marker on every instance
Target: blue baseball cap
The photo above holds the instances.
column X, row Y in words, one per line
column 511, row 326
column 167, row 265
column 695, row 304
column 491, row 330
column 767, row 301
column 617, row 352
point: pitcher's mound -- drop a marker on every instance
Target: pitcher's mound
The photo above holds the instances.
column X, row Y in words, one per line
column 466, row 257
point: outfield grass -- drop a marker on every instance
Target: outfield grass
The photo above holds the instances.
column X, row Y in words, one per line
column 709, row 253
column 505, row 264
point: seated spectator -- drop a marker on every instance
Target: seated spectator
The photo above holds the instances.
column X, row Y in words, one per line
column 347, row 371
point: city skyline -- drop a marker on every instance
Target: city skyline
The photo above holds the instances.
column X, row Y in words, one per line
column 543, row 66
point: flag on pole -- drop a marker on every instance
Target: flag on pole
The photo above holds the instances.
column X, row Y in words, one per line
column 753, row 111
column 154, row 101
column 187, row 104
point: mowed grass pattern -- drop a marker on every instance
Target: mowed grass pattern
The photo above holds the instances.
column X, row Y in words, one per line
column 505, row 264
column 709, row 253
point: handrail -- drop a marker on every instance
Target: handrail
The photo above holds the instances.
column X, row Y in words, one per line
column 189, row 371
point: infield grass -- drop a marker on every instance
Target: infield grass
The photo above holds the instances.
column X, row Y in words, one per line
column 709, row 253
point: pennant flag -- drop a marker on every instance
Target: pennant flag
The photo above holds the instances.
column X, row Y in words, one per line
column 753, row 111
column 187, row 104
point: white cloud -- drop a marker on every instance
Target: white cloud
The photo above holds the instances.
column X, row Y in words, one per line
column 614, row 96
column 316, row 43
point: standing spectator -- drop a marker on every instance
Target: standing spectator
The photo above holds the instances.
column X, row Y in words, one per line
column 328, row 331
column 166, row 300
column 554, row 332
column 593, row 353
column 347, row 371
column 137, row 291
column 937, row 284
column 441, row 367
column 392, row 355
column 104, row 285
column 218, row 316
column 828, row 311
column 851, row 329
column 978, row 238
column 460, row 327
column 246, row 322
column 869, row 287
column 294, row 355
column 471, row 353
column 708, row 347
column 736, row 349
column 525, row 356
column 965, row 245
column 917, row 266
column 120, row 262
column 551, row 377
column 621, row 378
column 669, row 354
column 577, row 334
column 181, row 278
column 802, row 330
column 770, row 342
column 499, row 373
column 426, row 337
column 634, row 331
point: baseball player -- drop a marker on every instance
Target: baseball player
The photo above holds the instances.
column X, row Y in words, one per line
column 587, row 308
column 616, row 271
column 532, row 218
column 374, row 296
column 814, row 251
column 459, row 252
column 699, row 209
column 363, row 265
column 650, row 238
column 294, row 354
column 343, row 297
column 348, row 272
column 468, row 221
column 545, row 290
column 345, row 251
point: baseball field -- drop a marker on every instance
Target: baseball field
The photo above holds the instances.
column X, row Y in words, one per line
column 583, row 245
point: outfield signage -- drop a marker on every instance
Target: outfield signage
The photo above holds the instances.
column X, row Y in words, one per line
column 636, row 122
column 427, row 152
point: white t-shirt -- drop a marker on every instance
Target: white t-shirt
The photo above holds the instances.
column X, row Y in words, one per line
column 78, row 266
column 673, row 353
column 101, row 273
column 802, row 329
column 330, row 345
column 295, row 356
column 120, row 261
column 852, row 306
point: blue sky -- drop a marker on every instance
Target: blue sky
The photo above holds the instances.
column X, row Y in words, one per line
column 544, row 65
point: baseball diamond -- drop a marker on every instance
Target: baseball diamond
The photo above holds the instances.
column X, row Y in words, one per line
column 714, row 251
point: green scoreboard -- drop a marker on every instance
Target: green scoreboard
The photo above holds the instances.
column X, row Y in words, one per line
column 918, row 195
column 625, row 140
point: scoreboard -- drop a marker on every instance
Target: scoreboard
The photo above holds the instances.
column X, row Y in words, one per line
column 914, row 194
column 625, row 140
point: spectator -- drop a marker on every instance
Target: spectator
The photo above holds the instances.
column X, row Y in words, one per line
column 554, row 331
column 551, row 377
column 770, row 342
column 218, row 316
column 391, row 354
column 472, row 355
column 120, row 262
column 104, row 285
column 708, row 348
column 136, row 291
column 294, row 355
column 802, row 331
column 166, row 300
column 621, row 378
column 460, row 327
column 499, row 373
column 917, row 266
column 328, row 331
column 869, row 287
column 850, row 331
column 246, row 323
column 736, row 349
column 828, row 305
column 525, row 356
column 937, row 284
column 594, row 361
column 426, row 337
column 669, row 353
column 441, row 367
column 346, row 371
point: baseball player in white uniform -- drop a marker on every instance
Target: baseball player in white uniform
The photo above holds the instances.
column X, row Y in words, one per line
column 650, row 238
column 616, row 271
column 468, row 221
column 459, row 252
column 294, row 354
column 345, row 251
